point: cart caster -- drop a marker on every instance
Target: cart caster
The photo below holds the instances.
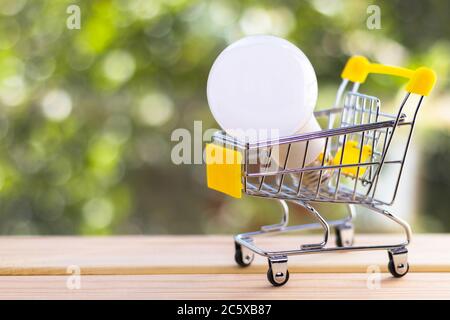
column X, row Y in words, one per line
column 344, row 235
column 398, row 262
column 278, row 274
column 242, row 255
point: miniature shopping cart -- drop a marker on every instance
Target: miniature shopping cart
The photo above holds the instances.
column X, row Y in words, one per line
column 361, row 164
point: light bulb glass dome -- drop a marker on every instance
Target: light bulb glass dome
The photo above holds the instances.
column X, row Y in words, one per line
column 264, row 85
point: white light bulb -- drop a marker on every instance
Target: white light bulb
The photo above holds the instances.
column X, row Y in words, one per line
column 262, row 84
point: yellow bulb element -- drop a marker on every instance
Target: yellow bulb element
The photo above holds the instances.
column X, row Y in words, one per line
column 224, row 170
column 351, row 156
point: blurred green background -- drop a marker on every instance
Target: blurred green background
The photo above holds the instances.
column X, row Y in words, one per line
column 86, row 115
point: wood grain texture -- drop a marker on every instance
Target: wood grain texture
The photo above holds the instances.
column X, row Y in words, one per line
column 228, row 286
column 150, row 255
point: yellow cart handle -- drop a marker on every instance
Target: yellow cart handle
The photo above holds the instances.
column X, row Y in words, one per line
column 421, row 80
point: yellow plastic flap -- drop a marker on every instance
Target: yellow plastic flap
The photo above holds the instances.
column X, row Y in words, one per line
column 224, row 170
column 351, row 156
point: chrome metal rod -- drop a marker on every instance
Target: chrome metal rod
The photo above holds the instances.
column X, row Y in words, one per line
column 337, row 101
column 405, row 225
column 284, row 219
column 322, row 222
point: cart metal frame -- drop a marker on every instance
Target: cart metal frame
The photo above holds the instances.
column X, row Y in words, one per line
column 354, row 184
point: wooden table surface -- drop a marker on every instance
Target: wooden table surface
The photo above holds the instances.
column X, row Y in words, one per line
column 202, row 267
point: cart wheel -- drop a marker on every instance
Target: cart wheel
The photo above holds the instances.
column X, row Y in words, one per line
column 344, row 235
column 278, row 273
column 243, row 256
column 398, row 262
column 277, row 282
column 394, row 272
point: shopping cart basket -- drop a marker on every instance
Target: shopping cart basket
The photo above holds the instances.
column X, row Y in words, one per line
column 360, row 157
